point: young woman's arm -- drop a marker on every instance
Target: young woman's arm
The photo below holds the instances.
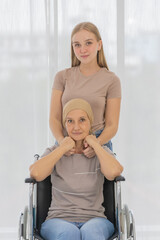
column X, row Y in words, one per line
column 110, row 167
column 111, row 120
column 111, row 124
column 44, row 167
column 55, row 119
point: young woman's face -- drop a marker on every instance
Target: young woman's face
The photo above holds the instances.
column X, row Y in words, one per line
column 77, row 124
column 86, row 46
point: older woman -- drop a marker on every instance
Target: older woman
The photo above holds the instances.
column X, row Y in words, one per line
column 76, row 210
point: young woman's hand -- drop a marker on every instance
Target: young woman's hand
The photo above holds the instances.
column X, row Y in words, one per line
column 70, row 152
column 88, row 150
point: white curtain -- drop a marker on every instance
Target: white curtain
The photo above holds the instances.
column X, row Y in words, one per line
column 24, row 100
column 34, row 45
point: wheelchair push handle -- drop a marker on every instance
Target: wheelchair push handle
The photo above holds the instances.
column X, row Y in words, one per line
column 30, row 180
column 119, row 179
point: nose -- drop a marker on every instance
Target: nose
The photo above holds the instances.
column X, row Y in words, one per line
column 76, row 126
column 83, row 49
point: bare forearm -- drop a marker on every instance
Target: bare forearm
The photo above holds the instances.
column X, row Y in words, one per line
column 110, row 167
column 108, row 133
column 43, row 167
column 56, row 128
column 56, row 115
column 111, row 120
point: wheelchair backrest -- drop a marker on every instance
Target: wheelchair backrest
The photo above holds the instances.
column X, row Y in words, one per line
column 44, row 196
column 109, row 200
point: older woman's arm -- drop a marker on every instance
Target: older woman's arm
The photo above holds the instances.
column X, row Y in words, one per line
column 110, row 167
column 44, row 167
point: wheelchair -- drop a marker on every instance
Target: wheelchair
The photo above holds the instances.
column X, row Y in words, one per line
column 39, row 202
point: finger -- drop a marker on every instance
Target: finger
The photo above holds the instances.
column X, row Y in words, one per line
column 72, row 152
column 67, row 154
column 88, row 150
column 90, row 155
column 85, row 151
column 85, row 144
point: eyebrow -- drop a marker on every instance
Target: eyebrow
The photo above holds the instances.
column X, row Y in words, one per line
column 79, row 117
column 69, row 118
column 90, row 39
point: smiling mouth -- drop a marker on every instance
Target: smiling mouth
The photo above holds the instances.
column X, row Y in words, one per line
column 84, row 56
column 77, row 133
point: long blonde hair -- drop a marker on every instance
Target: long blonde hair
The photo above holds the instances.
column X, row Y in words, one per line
column 90, row 27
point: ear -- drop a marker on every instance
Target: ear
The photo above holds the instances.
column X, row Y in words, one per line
column 99, row 45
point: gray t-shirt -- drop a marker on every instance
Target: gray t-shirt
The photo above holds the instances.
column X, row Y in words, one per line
column 95, row 89
column 77, row 188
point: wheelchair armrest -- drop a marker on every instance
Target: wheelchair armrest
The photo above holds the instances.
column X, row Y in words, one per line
column 30, row 180
column 119, row 179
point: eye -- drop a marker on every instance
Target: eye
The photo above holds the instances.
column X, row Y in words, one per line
column 69, row 121
column 88, row 43
column 82, row 120
column 77, row 45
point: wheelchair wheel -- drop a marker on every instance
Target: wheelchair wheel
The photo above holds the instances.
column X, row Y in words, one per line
column 123, row 226
column 133, row 230
column 20, row 230
column 23, row 225
column 128, row 220
column 128, row 224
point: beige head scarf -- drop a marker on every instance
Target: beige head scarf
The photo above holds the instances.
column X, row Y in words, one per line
column 77, row 103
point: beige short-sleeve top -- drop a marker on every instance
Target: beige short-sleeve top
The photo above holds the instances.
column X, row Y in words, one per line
column 95, row 89
column 77, row 188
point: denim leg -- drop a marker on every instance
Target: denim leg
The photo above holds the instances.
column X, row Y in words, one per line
column 59, row 229
column 97, row 229
column 109, row 145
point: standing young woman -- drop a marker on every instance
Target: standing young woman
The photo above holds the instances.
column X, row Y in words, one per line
column 88, row 78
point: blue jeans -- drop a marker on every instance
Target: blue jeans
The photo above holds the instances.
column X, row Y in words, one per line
column 109, row 144
column 94, row 229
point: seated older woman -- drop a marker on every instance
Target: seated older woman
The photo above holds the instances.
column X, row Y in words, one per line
column 76, row 210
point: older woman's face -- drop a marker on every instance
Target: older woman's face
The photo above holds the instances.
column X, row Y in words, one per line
column 77, row 124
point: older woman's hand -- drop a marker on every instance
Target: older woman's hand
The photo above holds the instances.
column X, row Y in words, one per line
column 91, row 140
column 69, row 145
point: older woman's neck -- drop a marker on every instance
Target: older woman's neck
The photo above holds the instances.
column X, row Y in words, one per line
column 79, row 146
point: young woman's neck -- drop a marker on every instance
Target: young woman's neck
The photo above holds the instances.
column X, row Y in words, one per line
column 89, row 69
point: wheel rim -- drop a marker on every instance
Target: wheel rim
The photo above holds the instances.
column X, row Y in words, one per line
column 25, row 223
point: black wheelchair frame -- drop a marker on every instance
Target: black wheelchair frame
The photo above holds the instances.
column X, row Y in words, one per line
column 40, row 195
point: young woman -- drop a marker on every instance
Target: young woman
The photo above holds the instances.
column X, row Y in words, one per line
column 76, row 210
column 89, row 78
